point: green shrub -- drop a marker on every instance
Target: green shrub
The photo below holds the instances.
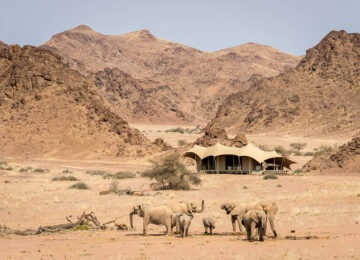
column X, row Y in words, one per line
column 309, row 154
column 171, row 173
column 64, row 178
column 182, row 142
column 96, row 172
column 323, row 149
column 67, row 171
column 79, row 186
column 41, row 170
column 297, row 171
column 119, row 175
column 270, row 176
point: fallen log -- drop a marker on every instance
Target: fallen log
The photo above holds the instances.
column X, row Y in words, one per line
column 85, row 219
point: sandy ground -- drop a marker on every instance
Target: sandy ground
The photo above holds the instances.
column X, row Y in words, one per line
column 327, row 207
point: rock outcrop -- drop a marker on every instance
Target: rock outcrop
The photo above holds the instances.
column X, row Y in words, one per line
column 219, row 135
column 345, row 159
column 49, row 110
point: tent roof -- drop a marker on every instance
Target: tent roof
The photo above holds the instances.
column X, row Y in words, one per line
column 248, row 150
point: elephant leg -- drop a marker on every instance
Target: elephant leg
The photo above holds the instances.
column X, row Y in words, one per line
column 168, row 227
column 233, row 219
column 239, row 219
column 272, row 225
column 145, row 226
column 253, row 231
column 187, row 225
column 177, row 227
column 211, row 230
column 248, row 232
column 206, row 229
column 261, row 233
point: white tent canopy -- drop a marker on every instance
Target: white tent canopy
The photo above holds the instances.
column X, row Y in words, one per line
column 248, row 150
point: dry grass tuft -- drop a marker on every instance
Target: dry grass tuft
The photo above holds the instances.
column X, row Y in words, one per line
column 80, row 186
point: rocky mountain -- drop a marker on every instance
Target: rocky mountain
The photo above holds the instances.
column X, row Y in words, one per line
column 320, row 96
column 2, row 45
column 345, row 159
column 179, row 83
column 49, row 110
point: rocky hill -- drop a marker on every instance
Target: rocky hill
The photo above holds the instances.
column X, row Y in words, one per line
column 49, row 110
column 345, row 159
column 320, row 96
column 2, row 45
column 183, row 84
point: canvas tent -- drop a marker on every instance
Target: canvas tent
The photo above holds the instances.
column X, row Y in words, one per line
column 222, row 159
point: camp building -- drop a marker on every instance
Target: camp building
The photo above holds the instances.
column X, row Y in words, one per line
column 244, row 160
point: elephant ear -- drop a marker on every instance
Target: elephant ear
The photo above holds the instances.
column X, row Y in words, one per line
column 189, row 208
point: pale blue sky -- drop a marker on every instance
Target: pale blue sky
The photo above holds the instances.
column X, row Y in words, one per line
column 291, row 26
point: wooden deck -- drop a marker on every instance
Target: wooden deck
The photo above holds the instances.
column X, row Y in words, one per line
column 277, row 172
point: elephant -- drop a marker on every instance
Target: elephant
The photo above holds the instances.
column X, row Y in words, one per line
column 270, row 209
column 208, row 223
column 252, row 220
column 184, row 220
column 158, row 215
column 237, row 212
column 186, row 207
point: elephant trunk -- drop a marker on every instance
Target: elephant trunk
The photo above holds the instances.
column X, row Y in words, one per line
column 131, row 219
column 272, row 225
column 202, row 207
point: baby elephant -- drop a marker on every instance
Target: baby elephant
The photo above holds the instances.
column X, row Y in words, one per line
column 184, row 223
column 255, row 219
column 208, row 223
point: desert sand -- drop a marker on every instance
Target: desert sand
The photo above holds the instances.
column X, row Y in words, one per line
column 324, row 208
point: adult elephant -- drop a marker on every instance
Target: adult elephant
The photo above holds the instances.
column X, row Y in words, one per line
column 236, row 212
column 159, row 215
column 255, row 220
column 270, row 209
column 186, row 208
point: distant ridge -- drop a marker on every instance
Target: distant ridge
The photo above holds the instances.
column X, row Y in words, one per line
column 185, row 85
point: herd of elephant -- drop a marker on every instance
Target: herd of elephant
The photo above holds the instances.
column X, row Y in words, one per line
column 253, row 217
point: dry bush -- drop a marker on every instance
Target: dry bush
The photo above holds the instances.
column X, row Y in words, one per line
column 100, row 173
column 270, row 176
column 309, row 154
column 27, row 169
column 64, row 178
column 39, row 170
column 323, row 149
column 80, row 186
column 67, row 171
column 182, row 142
column 119, row 175
column 298, row 146
column 281, row 150
column 171, row 174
